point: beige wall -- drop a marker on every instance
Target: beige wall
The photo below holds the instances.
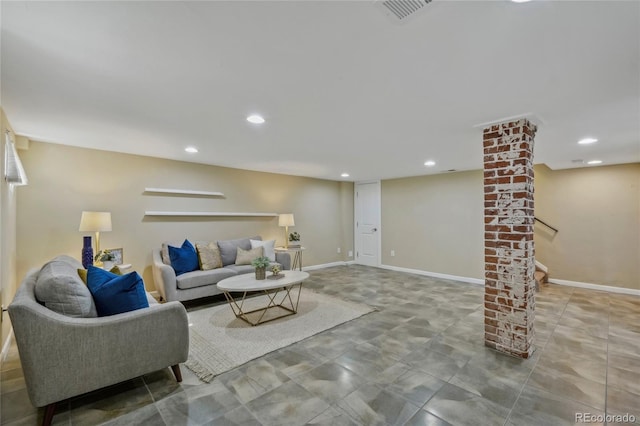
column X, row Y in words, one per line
column 435, row 223
column 64, row 181
column 597, row 212
column 7, row 234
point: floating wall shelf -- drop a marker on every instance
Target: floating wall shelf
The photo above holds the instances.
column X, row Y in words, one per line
column 184, row 192
column 204, row 214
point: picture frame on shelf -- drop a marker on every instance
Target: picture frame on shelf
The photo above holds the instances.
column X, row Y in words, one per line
column 118, row 256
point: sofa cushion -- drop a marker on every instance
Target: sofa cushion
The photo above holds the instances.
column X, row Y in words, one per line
column 184, row 259
column 246, row 269
column 244, row 257
column 209, row 256
column 202, row 278
column 60, row 288
column 242, row 269
column 269, row 248
column 115, row 294
column 229, row 248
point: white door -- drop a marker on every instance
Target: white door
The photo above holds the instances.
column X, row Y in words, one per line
column 367, row 215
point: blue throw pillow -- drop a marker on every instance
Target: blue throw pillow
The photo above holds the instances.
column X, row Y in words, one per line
column 115, row 294
column 184, row 259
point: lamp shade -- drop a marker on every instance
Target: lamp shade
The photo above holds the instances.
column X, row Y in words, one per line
column 286, row 219
column 95, row 222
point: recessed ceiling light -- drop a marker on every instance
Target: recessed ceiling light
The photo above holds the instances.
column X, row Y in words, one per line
column 191, row 149
column 587, row 141
column 594, row 162
column 345, row 175
column 520, row 1
column 255, row 119
column 429, row 163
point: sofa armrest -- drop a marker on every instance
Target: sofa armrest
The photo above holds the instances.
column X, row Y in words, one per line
column 63, row 357
column 284, row 258
column 164, row 277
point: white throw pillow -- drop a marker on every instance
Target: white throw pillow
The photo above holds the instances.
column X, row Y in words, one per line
column 268, row 246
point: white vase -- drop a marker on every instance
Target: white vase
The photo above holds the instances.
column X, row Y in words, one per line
column 107, row 265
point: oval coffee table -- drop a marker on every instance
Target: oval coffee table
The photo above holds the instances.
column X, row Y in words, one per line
column 247, row 283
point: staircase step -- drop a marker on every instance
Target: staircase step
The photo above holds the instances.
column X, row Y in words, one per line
column 541, row 277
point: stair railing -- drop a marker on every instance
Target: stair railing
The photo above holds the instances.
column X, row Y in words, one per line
column 546, row 224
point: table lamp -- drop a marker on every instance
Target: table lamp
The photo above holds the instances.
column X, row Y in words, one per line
column 286, row 220
column 95, row 222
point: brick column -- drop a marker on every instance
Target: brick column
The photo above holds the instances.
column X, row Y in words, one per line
column 509, row 306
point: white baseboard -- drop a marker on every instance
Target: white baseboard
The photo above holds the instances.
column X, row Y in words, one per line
column 323, row 265
column 478, row 281
column 599, row 287
column 434, row 274
column 6, row 346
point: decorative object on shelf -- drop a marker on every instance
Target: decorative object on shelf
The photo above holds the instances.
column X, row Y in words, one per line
column 286, row 220
column 185, row 192
column 260, row 263
column 294, row 240
column 95, row 222
column 87, row 252
column 106, row 258
column 276, row 273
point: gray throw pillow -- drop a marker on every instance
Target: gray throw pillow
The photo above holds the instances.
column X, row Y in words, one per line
column 229, row 249
column 60, row 288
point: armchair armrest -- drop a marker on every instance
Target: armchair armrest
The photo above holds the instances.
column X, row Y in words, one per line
column 164, row 277
column 284, row 258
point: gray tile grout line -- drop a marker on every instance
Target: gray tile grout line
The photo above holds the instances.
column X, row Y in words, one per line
column 536, row 363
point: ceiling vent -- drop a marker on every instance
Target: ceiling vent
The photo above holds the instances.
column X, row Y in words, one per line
column 401, row 10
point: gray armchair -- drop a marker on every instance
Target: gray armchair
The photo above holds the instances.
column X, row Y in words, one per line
column 63, row 356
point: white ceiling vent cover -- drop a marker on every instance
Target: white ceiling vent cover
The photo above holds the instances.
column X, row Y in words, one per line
column 401, row 10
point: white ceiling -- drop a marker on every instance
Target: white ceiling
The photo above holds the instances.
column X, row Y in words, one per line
column 342, row 86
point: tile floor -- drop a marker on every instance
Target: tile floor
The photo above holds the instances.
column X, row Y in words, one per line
column 418, row 360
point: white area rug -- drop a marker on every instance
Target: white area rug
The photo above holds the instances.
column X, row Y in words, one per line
column 219, row 341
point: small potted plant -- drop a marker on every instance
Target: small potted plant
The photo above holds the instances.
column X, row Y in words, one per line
column 260, row 263
column 294, row 240
column 106, row 258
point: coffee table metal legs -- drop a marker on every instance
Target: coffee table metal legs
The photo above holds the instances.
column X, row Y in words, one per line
column 288, row 303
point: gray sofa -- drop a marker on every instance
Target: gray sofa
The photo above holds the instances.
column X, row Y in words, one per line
column 64, row 356
column 197, row 284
